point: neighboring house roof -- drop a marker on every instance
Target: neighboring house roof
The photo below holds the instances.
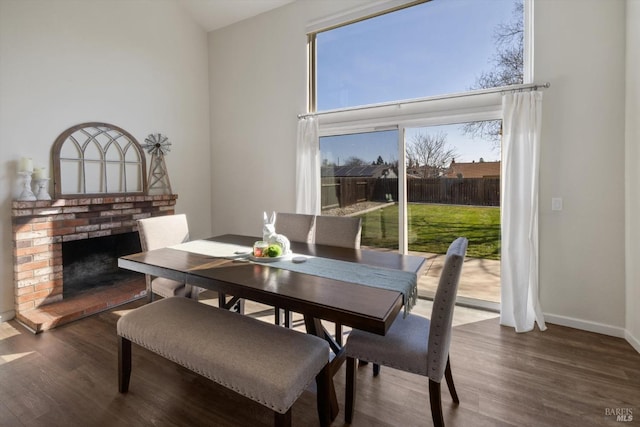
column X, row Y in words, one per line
column 473, row 170
column 366, row 171
column 419, row 171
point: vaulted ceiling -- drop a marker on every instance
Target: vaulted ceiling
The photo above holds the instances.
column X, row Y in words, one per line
column 215, row 14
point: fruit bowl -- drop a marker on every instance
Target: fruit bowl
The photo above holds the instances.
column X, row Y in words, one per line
column 268, row 258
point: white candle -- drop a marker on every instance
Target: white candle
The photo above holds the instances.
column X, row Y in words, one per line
column 38, row 173
column 26, row 164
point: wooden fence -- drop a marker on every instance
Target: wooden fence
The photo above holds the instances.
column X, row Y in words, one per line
column 342, row 191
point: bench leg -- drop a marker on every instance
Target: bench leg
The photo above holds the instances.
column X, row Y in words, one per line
column 124, row 364
column 282, row 420
column 324, row 383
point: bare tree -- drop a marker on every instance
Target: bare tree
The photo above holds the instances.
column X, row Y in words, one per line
column 508, row 69
column 355, row 161
column 430, row 153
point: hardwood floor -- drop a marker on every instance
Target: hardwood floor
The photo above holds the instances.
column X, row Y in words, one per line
column 561, row 377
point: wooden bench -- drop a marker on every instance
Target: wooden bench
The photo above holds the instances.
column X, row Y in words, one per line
column 266, row 363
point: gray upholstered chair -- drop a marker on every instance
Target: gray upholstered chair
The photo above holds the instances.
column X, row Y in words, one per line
column 413, row 343
column 338, row 231
column 160, row 232
column 297, row 228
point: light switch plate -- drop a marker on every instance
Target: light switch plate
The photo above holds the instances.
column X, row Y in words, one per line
column 556, row 203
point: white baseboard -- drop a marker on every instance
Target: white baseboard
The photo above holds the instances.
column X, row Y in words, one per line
column 7, row 315
column 585, row 325
column 635, row 342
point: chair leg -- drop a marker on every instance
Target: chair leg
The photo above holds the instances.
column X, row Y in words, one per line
column 282, row 420
column 222, row 300
column 350, row 390
column 194, row 292
column 449, row 378
column 147, row 279
column 376, row 369
column 239, row 307
column 436, row 403
column 124, row 364
column 288, row 317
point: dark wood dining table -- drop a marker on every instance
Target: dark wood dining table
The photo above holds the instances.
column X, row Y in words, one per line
column 316, row 298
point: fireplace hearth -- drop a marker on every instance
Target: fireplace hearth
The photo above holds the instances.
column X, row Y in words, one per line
column 92, row 263
column 40, row 231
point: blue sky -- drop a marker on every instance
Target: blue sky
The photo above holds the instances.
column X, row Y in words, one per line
column 434, row 48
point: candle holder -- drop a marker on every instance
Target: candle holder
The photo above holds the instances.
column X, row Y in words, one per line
column 43, row 190
column 26, row 194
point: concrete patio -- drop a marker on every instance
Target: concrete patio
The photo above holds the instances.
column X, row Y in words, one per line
column 480, row 278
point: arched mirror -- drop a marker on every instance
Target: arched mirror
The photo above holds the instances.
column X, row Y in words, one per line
column 98, row 159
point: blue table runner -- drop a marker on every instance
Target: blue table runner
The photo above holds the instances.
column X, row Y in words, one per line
column 385, row 278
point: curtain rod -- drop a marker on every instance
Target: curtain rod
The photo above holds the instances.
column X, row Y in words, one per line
column 502, row 89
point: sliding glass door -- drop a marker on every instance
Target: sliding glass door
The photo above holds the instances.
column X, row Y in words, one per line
column 359, row 175
column 453, row 189
column 446, row 185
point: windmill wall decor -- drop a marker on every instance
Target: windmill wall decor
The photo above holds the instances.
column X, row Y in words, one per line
column 158, row 145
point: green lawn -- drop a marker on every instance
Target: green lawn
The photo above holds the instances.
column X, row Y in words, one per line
column 433, row 227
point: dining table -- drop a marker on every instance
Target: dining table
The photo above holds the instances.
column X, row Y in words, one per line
column 358, row 288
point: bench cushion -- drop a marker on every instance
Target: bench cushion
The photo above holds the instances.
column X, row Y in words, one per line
column 266, row 363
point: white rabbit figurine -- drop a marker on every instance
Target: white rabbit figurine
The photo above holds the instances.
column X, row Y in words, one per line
column 270, row 236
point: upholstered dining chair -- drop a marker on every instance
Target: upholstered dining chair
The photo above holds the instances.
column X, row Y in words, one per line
column 160, row 232
column 340, row 231
column 413, row 343
column 297, row 228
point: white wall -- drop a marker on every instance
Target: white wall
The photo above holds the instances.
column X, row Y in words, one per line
column 632, row 159
column 258, row 85
column 139, row 64
column 579, row 48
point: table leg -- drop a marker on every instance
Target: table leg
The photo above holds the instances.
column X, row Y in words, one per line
column 314, row 327
column 234, row 304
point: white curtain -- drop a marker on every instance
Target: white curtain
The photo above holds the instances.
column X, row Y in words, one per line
column 308, row 167
column 520, row 169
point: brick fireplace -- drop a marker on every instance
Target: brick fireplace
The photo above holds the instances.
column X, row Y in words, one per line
column 39, row 230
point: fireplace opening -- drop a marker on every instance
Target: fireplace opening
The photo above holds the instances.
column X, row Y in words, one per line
column 93, row 263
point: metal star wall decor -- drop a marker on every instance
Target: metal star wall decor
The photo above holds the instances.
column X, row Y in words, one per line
column 158, row 145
